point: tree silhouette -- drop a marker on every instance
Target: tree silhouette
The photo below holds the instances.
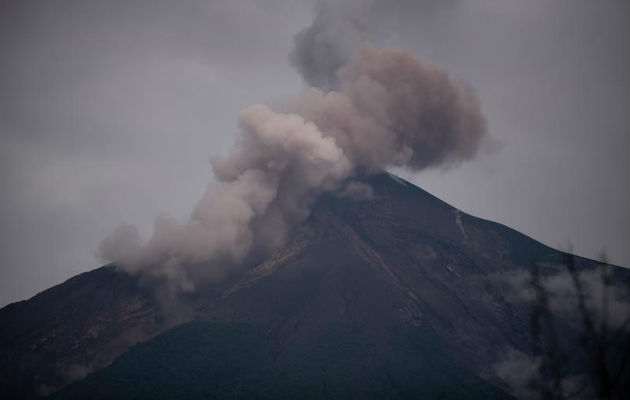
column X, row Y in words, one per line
column 598, row 342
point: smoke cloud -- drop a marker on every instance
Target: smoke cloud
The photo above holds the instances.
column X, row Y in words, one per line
column 339, row 27
column 390, row 109
column 325, row 46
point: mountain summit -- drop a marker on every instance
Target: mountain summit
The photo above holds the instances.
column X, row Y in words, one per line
column 384, row 292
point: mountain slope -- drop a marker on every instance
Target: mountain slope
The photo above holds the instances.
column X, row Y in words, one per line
column 73, row 328
column 396, row 294
column 327, row 324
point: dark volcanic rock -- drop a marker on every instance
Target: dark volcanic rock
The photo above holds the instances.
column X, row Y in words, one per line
column 395, row 296
column 71, row 329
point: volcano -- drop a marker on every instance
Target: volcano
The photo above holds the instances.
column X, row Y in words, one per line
column 388, row 294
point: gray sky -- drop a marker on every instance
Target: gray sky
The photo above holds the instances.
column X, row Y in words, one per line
column 109, row 111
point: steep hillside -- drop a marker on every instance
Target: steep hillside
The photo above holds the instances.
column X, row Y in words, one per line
column 391, row 294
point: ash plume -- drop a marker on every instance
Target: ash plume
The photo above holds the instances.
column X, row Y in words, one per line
column 340, row 26
column 391, row 109
column 328, row 43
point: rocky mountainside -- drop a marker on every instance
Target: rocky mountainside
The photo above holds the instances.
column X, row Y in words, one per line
column 388, row 294
column 73, row 328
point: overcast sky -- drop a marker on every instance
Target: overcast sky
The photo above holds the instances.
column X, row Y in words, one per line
column 109, row 111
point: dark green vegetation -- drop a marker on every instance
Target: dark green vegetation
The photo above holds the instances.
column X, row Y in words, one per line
column 395, row 296
column 222, row 361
